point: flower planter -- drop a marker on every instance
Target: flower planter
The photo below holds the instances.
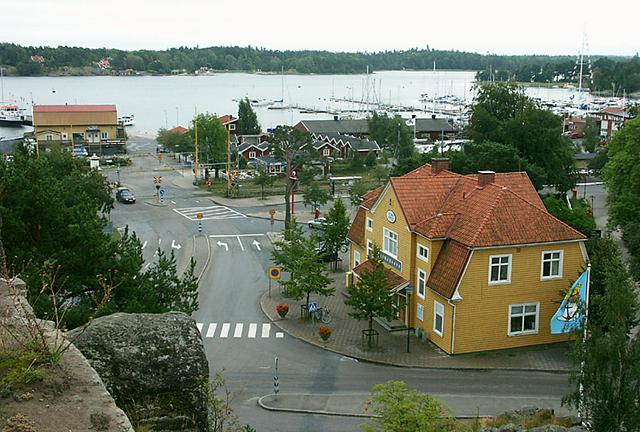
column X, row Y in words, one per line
column 324, row 332
column 282, row 309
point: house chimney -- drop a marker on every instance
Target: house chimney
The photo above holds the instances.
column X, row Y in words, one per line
column 486, row 177
column 335, row 118
column 439, row 164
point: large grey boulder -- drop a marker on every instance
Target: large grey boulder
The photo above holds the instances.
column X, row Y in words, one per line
column 154, row 365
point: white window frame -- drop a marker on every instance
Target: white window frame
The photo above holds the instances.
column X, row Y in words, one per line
column 387, row 240
column 356, row 258
column 252, row 155
column 560, row 264
column 509, row 266
column 64, row 136
column 419, row 251
column 326, row 151
column 369, row 224
column 421, row 278
column 48, row 137
column 523, row 332
column 420, row 311
column 232, row 126
column 369, row 248
column 104, row 135
column 438, row 307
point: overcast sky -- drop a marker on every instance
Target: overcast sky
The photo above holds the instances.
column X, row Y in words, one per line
column 495, row 26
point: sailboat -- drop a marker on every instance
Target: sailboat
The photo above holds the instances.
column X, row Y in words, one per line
column 10, row 115
column 279, row 104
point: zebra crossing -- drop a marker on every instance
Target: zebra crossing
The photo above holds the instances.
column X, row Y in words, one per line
column 209, row 213
column 236, row 330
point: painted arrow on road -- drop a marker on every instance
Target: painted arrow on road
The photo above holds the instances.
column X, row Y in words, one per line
column 223, row 244
column 256, row 244
column 175, row 245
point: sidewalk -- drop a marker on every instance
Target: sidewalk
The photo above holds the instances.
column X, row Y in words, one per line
column 346, row 339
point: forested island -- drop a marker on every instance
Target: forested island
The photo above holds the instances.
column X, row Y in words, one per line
column 607, row 73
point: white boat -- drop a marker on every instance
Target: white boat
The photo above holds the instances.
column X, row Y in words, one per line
column 260, row 102
column 11, row 115
column 127, row 120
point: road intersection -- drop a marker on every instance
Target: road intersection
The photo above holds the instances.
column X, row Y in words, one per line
column 239, row 339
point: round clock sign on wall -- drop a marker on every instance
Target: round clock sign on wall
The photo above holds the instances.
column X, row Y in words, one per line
column 391, row 216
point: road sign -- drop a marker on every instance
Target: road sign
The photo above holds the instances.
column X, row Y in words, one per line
column 199, row 216
column 275, row 272
column 199, row 227
column 276, row 383
column 272, row 212
column 313, row 306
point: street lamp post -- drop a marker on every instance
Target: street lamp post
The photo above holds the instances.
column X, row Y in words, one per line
column 409, row 291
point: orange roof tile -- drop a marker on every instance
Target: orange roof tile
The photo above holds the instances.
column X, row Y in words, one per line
column 228, row 118
column 394, row 280
column 178, row 129
column 356, row 232
column 448, row 268
column 371, row 197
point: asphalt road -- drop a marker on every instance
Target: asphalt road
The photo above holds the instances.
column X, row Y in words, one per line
column 230, row 289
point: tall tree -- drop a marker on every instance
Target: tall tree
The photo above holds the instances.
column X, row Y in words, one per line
column 590, row 135
column 370, row 297
column 334, row 234
column 607, row 359
column 314, row 195
column 247, row 119
column 212, row 140
column 175, row 141
column 290, row 145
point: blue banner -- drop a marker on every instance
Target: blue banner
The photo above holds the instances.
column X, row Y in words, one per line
column 570, row 316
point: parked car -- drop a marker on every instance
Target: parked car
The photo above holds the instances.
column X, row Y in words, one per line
column 318, row 223
column 124, row 195
column 80, row 151
column 325, row 255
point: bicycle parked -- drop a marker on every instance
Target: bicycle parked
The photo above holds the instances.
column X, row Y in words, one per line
column 323, row 315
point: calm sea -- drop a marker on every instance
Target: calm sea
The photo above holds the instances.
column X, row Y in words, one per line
column 167, row 101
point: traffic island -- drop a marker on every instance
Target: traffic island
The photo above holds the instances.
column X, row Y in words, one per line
column 349, row 405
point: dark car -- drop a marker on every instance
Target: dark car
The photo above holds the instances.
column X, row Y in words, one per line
column 124, row 195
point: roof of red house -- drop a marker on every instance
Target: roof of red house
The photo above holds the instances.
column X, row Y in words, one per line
column 448, row 268
column 73, row 108
column 178, row 129
column 228, row 118
column 613, row 110
column 394, row 280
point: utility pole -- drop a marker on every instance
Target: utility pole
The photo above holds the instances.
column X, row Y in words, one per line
column 228, row 161
column 195, row 123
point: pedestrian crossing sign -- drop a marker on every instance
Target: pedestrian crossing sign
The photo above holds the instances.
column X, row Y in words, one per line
column 275, row 272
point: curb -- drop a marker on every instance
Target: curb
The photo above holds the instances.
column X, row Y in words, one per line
column 206, row 264
column 401, row 365
column 308, row 411
column 156, row 204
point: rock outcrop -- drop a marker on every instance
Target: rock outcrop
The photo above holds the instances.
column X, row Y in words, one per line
column 154, row 365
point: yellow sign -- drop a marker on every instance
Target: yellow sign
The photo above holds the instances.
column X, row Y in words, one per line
column 199, row 215
column 275, row 272
column 272, row 212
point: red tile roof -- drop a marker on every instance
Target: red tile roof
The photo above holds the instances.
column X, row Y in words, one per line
column 356, row 232
column 227, row 119
column 394, row 280
column 448, row 268
column 371, row 197
column 73, row 108
column 178, row 129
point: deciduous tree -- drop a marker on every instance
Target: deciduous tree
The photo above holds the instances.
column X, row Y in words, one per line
column 314, row 195
column 334, row 234
column 212, row 139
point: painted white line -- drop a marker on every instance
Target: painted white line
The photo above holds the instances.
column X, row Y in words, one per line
column 256, row 243
column 235, row 235
column 173, row 202
column 253, row 327
column 144, row 245
column 211, row 330
column 159, row 241
column 225, row 330
column 147, row 265
column 241, row 245
column 279, row 335
column 175, row 245
column 238, row 331
column 224, row 245
column 266, row 329
column 199, row 326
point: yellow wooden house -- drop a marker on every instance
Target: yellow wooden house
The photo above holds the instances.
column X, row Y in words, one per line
column 485, row 260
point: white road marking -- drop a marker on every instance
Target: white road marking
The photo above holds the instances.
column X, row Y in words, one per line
column 224, row 245
column 199, row 326
column 144, row 245
column 235, row 235
column 253, row 327
column 266, row 329
column 175, row 245
column 209, row 213
column 146, row 267
column 238, row 331
column 225, row 330
column 256, row 243
column 173, row 202
column 241, row 245
column 211, row 330
column 159, row 241
column 279, row 335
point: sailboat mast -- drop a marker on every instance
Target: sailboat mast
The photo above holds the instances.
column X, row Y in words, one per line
column 581, row 65
column 2, row 84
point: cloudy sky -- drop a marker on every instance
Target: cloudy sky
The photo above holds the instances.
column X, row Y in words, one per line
column 495, row 26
